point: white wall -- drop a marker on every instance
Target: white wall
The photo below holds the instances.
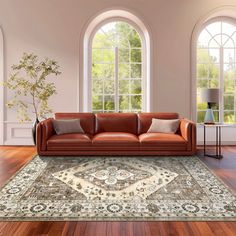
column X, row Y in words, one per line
column 53, row 28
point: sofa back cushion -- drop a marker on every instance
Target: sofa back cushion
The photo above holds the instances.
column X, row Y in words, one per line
column 87, row 120
column 116, row 122
column 145, row 119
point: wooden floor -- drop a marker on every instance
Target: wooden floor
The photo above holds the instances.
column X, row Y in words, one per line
column 13, row 158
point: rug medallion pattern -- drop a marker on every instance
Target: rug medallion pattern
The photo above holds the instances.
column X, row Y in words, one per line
column 116, row 188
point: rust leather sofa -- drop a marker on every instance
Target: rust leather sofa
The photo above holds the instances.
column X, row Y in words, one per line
column 116, row 134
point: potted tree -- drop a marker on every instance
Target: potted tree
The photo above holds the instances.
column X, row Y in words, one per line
column 31, row 89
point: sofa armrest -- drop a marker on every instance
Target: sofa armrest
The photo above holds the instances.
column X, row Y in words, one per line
column 188, row 132
column 44, row 131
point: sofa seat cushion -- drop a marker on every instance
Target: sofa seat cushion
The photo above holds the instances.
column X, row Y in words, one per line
column 68, row 141
column 115, row 139
column 163, row 141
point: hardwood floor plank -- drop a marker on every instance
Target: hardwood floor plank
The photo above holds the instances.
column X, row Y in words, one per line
column 128, row 229
column 199, row 229
column 114, row 229
column 13, row 158
column 229, row 228
column 80, row 228
column 154, row 228
column 181, row 229
column 219, row 230
column 159, row 228
column 56, row 228
column 139, row 228
column 95, row 228
column 69, row 229
column 11, row 228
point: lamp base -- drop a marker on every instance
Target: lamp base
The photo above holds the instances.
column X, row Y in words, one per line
column 209, row 117
column 209, row 123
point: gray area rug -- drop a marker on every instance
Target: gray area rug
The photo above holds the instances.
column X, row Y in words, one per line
column 116, row 188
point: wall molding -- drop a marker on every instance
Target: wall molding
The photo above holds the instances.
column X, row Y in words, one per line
column 2, row 107
column 18, row 133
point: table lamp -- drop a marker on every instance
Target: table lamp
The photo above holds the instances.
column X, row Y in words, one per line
column 211, row 96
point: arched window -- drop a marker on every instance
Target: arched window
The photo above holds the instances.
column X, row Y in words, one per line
column 117, row 69
column 116, row 63
column 216, row 67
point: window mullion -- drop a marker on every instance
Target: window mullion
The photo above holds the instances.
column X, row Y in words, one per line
column 130, row 76
column 116, row 80
column 221, row 86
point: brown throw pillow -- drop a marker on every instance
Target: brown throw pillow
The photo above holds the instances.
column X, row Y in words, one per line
column 67, row 126
column 164, row 126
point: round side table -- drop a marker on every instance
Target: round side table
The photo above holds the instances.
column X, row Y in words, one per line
column 218, row 127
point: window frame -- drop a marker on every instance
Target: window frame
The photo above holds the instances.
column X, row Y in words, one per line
column 2, row 106
column 195, row 36
column 85, row 85
column 143, row 49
